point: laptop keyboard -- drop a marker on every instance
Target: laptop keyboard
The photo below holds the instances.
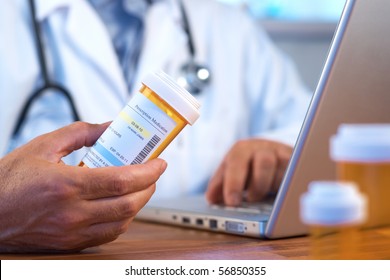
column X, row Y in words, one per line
column 248, row 208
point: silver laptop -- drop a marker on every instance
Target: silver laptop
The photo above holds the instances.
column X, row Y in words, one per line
column 354, row 88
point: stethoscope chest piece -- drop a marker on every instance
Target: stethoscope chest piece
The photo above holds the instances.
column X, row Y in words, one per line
column 194, row 77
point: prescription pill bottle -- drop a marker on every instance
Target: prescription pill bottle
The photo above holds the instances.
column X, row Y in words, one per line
column 362, row 154
column 149, row 122
column 334, row 212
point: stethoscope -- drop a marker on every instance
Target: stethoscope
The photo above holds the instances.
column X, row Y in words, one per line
column 47, row 83
column 193, row 76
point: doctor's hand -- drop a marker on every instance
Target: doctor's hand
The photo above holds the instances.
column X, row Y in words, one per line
column 253, row 167
column 46, row 205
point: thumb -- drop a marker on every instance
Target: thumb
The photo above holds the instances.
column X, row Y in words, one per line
column 64, row 141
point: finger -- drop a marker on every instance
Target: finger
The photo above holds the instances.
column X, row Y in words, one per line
column 283, row 156
column 97, row 234
column 264, row 167
column 235, row 176
column 63, row 141
column 107, row 232
column 214, row 192
column 105, row 214
column 103, row 182
column 113, row 216
column 118, row 208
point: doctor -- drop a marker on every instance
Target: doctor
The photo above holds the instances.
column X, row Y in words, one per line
column 252, row 108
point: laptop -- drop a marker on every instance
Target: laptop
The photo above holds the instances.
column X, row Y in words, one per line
column 354, row 87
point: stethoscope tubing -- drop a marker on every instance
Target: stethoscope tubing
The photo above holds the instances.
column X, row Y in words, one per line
column 52, row 85
column 47, row 83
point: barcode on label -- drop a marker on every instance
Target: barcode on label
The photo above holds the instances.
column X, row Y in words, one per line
column 146, row 150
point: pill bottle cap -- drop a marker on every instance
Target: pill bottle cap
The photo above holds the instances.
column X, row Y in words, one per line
column 176, row 96
column 332, row 203
column 361, row 142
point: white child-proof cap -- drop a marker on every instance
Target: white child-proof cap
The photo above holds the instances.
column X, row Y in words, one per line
column 333, row 203
column 361, row 142
column 176, row 96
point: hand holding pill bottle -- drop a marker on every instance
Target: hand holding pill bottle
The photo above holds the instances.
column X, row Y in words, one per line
column 149, row 122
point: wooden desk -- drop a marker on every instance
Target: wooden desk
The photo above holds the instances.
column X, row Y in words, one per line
column 159, row 242
column 156, row 242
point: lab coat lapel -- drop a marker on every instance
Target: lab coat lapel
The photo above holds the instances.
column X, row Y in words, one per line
column 89, row 37
column 164, row 32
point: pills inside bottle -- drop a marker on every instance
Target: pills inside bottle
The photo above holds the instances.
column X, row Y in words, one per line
column 147, row 124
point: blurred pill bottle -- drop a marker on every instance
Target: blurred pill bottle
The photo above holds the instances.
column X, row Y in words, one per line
column 362, row 154
column 334, row 212
column 147, row 124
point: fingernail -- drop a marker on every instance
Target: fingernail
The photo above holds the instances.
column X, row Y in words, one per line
column 158, row 164
column 163, row 165
column 234, row 199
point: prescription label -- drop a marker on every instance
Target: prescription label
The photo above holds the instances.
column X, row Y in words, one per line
column 133, row 136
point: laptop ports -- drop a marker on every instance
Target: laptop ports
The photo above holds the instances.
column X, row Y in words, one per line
column 234, row 227
column 199, row 222
column 213, row 224
column 186, row 220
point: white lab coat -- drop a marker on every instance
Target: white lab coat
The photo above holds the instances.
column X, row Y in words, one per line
column 255, row 91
